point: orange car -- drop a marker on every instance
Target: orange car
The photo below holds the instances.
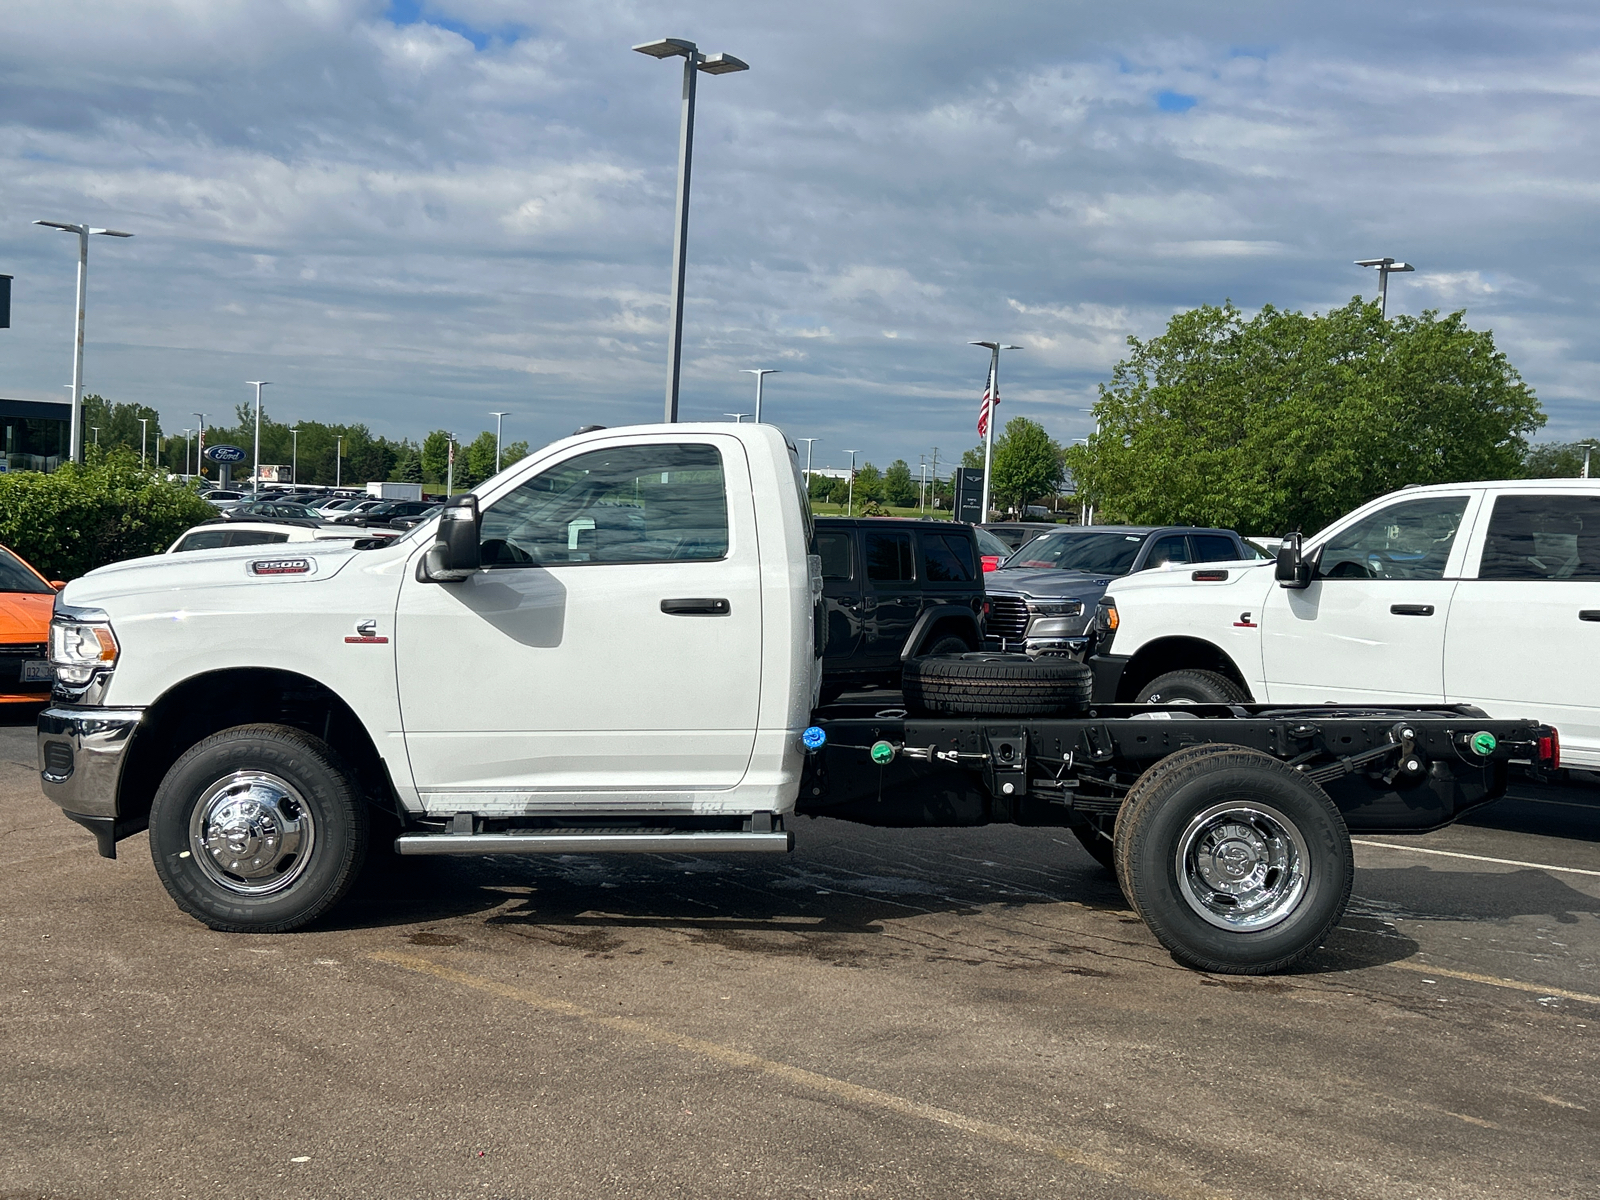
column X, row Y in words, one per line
column 26, row 599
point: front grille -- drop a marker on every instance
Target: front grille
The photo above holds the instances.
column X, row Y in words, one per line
column 11, row 659
column 1008, row 618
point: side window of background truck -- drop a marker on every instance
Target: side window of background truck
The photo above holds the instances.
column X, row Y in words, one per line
column 1410, row 540
column 632, row 504
column 1543, row 537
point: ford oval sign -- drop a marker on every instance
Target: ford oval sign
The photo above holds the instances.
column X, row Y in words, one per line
column 224, row 454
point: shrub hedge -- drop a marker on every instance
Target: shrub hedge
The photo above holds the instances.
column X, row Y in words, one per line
column 82, row 517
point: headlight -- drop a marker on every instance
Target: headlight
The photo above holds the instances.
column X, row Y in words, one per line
column 1105, row 616
column 79, row 648
column 1056, row 608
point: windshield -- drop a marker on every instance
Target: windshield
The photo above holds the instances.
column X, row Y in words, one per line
column 16, row 577
column 1092, row 553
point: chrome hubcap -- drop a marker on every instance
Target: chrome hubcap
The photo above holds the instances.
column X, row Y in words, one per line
column 1242, row 865
column 252, row 833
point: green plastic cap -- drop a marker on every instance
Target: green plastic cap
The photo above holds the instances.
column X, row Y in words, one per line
column 882, row 753
column 1484, row 743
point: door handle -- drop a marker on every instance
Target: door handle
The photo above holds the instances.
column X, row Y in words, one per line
column 846, row 601
column 1411, row 610
column 696, row 608
column 1589, row 614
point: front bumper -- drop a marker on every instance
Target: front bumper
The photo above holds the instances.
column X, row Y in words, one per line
column 1033, row 647
column 81, row 756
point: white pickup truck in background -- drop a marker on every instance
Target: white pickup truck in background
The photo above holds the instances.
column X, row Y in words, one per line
column 1485, row 594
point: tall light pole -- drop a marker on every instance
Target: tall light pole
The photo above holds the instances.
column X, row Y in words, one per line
column 338, row 460
column 186, row 434
column 850, row 492
column 200, row 445
column 450, row 466
column 991, row 401
column 760, row 373
column 808, row 442
column 1385, row 267
column 738, row 418
column 144, row 434
column 75, row 435
column 711, row 64
column 294, row 455
column 96, row 429
column 255, row 486
column 498, row 417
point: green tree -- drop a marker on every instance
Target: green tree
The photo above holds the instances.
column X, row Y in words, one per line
column 838, row 491
column 479, row 459
column 110, row 508
column 1284, row 421
column 436, row 456
column 869, row 484
column 118, row 424
column 1027, row 464
column 1561, row 460
column 407, row 467
column 899, row 488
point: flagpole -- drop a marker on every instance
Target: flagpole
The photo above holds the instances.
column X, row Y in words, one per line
column 988, row 427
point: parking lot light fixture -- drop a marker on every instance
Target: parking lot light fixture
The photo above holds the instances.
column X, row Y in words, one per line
column 338, row 460
column 294, row 456
column 498, row 417
column 738, row 418
column 760, row 373
column 809, row 443
column 144, row 436
column 186, row 439
column 255, row 485
column 75, row 426
column 693, row 63
column 1385, row 266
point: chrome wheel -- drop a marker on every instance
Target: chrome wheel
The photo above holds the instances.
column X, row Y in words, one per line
column 1242, row 865
column 252, row 833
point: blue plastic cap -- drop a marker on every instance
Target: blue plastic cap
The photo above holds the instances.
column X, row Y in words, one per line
column 814, row 737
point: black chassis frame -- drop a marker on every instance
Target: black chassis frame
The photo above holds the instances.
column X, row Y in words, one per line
column 1388, row 769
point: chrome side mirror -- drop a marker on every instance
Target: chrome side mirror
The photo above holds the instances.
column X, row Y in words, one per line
column 1292, row 571
column 454, row 554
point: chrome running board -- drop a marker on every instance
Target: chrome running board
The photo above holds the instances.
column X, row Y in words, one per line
column 595, row 843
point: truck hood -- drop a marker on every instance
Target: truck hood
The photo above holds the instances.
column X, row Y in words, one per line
column 230, row 566
column 1183, row 576
column 1044, row 581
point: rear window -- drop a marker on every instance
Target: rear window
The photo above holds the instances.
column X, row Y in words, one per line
column 204, row 539
column 1543, row 537
column 889, row 557
column 947, row 558
column 833, row 547
column 254, row 537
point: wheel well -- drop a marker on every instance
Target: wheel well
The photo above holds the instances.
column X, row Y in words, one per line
column 1175, row 654
column 205, row 704
column 964, row 627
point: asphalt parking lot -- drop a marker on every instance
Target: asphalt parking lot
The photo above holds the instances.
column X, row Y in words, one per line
column 883, row 1013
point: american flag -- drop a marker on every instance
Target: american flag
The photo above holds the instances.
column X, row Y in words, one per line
column 986, row 406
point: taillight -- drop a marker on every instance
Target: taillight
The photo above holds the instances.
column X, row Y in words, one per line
column 1550, row 750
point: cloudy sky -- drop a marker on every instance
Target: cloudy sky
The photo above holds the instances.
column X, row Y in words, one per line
column 412, row 212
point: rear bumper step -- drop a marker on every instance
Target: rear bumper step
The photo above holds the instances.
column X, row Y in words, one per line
column 595, row 843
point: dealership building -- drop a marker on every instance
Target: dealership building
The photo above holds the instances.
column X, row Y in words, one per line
column 37, row 434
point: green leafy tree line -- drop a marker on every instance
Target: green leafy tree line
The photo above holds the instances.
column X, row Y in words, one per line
column 1028, row 465
column 1285, row 421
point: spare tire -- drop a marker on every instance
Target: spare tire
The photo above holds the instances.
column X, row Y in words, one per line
column 979, row 684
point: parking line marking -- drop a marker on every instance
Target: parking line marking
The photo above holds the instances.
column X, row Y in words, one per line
column 1143, row 1178
column 1495, row 981
column 1509, row 862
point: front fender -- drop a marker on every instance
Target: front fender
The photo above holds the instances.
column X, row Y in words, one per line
column 954, row 613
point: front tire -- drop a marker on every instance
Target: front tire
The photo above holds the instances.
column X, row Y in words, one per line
column 1192, row 687
column 258, row 829
column 1239, row 864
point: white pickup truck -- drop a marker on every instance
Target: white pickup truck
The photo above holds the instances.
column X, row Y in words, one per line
column 614, row 646
column 1486, row 594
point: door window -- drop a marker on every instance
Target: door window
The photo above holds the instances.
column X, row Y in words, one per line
column 1411, row 540
column 1213, row 547
column 1170, row 549
column 632, row 504
column 834, row 550
column 947, row 558
column 889, row 557
column 1543, row 537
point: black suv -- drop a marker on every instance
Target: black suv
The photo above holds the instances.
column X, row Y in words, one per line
column 894, row 588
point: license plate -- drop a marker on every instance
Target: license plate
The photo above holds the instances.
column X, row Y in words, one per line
column 37, row 670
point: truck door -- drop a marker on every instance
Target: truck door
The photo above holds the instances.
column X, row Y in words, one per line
column 893, row 599
column 1524, row 633
column 1371, row 625
column 610, row 647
